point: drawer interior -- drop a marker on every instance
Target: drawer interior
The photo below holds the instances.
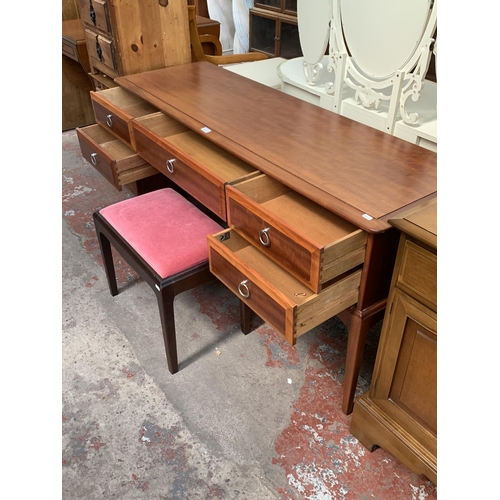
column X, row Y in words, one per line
column 269, row 270
column 209, row 155
column 108, row 142
column 127, row 102
column 293, row 209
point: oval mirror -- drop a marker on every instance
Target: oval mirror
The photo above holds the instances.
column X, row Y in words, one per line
column 382, row 35
column 313, row 19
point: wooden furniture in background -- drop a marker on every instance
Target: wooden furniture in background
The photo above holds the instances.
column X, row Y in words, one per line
column 131, row 37
column 202, row 8
column 199, row 53
column 76, row 104
column 375, row 68
column 398, row 413
column 70, row 10
column 209, row 33
column 273, row 28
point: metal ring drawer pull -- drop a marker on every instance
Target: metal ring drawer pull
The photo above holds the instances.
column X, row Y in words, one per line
column 243, row 289
column 170, row 165
column 109, row 120
column 93, row 158
column 264, row 237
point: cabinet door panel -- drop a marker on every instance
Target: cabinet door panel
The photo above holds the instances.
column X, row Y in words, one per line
column 414, row 386
column 406, row 387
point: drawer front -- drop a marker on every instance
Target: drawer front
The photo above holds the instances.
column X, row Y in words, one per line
column 258, row 299
column 418, row 271
column 111, row 119
column 115, row 161
column 115, row 109
column 95, row 13
column 155, row 150
column 275, row 295
column 98, row 158
column 313, row 244
column 301, row 260
column 85, row 11
column 69, row 49
column 101, row 52
column 101, row 15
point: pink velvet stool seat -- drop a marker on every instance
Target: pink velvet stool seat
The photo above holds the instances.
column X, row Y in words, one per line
column 163, row 237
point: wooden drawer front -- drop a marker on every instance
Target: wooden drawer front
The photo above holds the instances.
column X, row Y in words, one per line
column 95, row 13
column 115, row 108
column 312, row 243
column 418, row 272
column 101, row 52
column 276, row 296
column 101, row 15
column 156, row 152
column 114, row 121
column 69, row 49
column 115, row 161
column 198, row 166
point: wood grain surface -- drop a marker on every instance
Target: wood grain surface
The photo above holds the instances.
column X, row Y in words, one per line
column 348, row 167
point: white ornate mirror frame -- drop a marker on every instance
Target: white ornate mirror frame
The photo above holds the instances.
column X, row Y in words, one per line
column 373, row 49
column 313, row 19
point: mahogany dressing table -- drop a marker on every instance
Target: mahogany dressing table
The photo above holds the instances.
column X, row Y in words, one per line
column 313, row 199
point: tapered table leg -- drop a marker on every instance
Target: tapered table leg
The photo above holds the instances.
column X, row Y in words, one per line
column 358, row 325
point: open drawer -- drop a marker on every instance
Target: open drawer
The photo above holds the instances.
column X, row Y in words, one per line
column 115, row 108
column 115, row 161
column 194, row 163
column 312, row 243
column 276, row 296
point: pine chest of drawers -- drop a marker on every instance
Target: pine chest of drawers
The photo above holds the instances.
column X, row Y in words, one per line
column 130, row 37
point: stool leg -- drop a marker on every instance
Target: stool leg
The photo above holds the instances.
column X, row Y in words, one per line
column 245, row 317
column 166, row 305
column 107, row 258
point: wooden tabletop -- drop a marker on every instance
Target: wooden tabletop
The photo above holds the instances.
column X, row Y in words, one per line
column 360, row 173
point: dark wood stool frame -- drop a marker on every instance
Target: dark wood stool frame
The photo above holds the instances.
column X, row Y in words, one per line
column 165, row 288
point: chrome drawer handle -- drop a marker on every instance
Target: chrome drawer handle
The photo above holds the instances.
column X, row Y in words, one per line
column 243, row 289
column 93, row 158
column 109, row 120
column 170, row 165
column 264, row 237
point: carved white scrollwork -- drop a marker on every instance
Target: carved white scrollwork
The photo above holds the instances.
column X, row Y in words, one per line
column 312, row 72
column 313, row 23
column 415, row 83
column 381, row 49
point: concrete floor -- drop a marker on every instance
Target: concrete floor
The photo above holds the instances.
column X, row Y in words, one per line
column 246, row 417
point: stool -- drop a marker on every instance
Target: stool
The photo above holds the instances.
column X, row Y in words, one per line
column 163, row 237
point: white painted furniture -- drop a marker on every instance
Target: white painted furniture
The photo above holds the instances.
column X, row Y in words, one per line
column 374, row 73
column 264, row 72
